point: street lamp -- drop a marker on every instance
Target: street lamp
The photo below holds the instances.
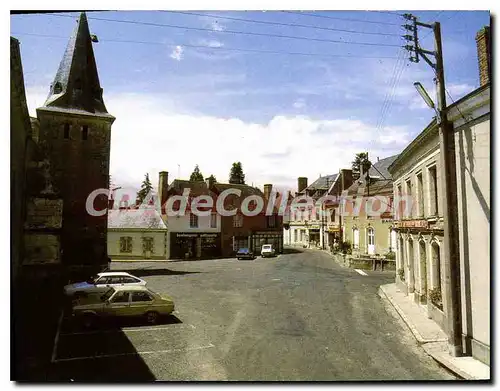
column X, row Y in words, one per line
column 425, row 96
column 427, row 99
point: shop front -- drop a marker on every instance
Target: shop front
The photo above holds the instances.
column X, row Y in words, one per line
column 260, row 238
column 314, row 236
column 188, row 245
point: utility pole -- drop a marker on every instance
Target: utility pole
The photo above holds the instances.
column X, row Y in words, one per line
column 448, row 182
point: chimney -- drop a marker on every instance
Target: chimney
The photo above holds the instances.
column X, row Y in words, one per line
column 210, row 182
column 267, row 191
column 163, row 189
column 378, row 159
column 484, row 55
column 301, row 184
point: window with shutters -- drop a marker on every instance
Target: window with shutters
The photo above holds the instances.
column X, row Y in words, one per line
column 148, row 244
column 126, row 244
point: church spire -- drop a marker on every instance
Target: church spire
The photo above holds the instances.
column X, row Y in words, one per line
column 76, row 85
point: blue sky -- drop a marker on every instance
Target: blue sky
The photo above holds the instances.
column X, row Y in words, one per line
column 281, row 115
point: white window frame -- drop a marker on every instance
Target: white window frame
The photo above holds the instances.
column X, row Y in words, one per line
column 213, row 220
column 193, row 220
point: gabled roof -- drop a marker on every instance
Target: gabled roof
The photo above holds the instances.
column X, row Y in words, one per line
column 246, row 190
column 197, row 187
column 380, row 168
column 76, row 85
column 322, row 183
column 146, row 218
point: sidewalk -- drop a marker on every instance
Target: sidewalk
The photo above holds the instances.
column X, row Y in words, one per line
column 430, row 336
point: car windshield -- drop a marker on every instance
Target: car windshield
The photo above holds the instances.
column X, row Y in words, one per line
column 92, row 280
column 243, row 250
column 107, row 294
column 266, row 247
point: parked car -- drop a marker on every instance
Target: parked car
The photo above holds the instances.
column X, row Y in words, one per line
column 101, row 282
column 267, row 251
column 244, row 253
column 123, row 301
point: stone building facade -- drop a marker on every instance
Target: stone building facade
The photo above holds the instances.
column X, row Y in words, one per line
column 137, row 234
column 420, row 253
column 75, row 136
column 370, row 234
column 57, row 160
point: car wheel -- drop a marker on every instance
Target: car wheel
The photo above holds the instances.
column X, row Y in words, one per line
column 89, row 320
column 152, row 317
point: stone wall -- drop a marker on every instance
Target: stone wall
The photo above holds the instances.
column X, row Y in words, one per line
column 19, row 133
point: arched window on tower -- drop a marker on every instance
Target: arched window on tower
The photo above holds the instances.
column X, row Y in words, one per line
column 57, row 88
column 78, row 84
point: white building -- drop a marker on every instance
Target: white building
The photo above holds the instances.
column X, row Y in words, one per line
column 136, row 234
column 190, row 236
column 306, row 227
column 420, row 247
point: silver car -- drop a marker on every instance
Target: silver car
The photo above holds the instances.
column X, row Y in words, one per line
column 101, row 283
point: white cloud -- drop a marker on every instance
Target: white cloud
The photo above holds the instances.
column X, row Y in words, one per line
column 177, row 53
column 149, row 135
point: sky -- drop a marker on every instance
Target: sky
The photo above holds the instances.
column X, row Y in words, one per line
column 205, row 93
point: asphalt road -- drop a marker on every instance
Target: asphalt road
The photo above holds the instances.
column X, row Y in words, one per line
column 296, row 317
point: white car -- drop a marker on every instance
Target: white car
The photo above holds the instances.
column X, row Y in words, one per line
column 267, row 251
column 102, row 282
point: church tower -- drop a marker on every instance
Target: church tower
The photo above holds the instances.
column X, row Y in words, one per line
column 75, row 135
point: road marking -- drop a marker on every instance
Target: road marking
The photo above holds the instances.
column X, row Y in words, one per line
column 56, row 339
column 136, row 353
column 276, row 279
column 361, row 272
column 126, row 329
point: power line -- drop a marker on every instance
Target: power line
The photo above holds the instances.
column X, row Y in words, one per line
column 335, row 18
column 235, row 32
column 217, row 47
column 387, row 12
column 282, row 24
column 458, row 108
column 396, row 74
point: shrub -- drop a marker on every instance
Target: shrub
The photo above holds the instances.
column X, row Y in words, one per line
column 436, row 297
column 401, row 274
column 345, row 247
column 390, row 255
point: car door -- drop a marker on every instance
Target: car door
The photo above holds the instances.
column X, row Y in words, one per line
column 141, row 302
column 101, row 282
column 119, row 304
column 129, row 280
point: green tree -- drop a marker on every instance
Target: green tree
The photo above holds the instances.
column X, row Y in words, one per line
column 236, row 175
column 146, row 187
column 196, row 174
column 360, row 161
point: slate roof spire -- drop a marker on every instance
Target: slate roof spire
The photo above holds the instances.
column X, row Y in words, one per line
column 76, row 84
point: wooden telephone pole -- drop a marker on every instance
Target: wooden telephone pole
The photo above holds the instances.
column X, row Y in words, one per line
column 448, row 182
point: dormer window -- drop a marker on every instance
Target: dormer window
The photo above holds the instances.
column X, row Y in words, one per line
column 85, row 132
column 66, row 131
column 57, row 88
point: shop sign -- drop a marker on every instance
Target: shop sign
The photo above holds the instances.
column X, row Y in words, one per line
column 412, row 224
column 268, row 233
column 187, row 235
